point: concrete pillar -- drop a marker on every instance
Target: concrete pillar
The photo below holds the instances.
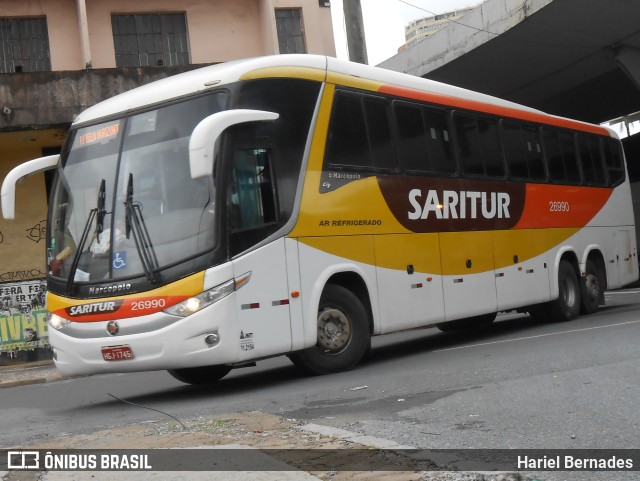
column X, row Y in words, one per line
column 629, row 60
column 355, row 31
column 83, row 26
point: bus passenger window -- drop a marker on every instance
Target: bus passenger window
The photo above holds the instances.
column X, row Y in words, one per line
column 412, row 138
column 479, row 145
column 490, row 145
column 360, row 133
column 613, row 161
column 347, row 143
column 439, row 145
column 570, row 157
column 590, row 160
column 468, row 144
column 561, row 156
column 514, row 150
column 379, row 131
column 535, row 161
column 524, row 151
column 424, row 144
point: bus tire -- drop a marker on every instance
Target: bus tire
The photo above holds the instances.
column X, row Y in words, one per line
column 567, row 306
column 468, row 324
column 200, row 375
column 343, row 334
column 592, row 287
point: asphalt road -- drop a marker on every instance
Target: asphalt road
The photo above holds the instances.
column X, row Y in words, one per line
column 516, row 385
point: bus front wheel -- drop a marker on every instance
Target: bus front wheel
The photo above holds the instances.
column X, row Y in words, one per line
column 567, row 306
column 343, row 334
column 200, row 375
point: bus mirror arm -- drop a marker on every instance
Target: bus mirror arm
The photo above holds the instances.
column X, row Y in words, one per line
column 204, row 136
column 13, row 178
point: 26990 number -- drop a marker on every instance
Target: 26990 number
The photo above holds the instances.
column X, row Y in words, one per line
column 559, row 206
column 148, row 304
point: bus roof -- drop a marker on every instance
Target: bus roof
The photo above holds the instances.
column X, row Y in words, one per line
column 326, row 68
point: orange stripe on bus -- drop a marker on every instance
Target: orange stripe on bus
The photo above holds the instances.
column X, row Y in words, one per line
column 477, row 106
column 126, row 308
column 561, row 206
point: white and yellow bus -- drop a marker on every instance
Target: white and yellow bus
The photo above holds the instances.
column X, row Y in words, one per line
column 299, row 205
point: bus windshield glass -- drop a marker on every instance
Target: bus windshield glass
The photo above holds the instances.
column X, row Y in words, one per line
column 124, row 204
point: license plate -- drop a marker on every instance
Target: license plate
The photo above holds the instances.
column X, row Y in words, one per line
column 117, row 353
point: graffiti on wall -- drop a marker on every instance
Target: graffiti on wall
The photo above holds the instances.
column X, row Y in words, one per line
column 38, row 232
column 35, row 234
column 20, row 275
column 23, row 318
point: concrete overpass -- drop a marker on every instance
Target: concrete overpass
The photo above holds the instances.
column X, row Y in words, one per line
column 575, row 58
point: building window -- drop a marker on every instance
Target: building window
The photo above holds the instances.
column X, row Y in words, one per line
column 24, row 45
column 150, row 40
column 290, row 31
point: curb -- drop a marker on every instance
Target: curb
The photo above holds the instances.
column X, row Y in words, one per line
column 31, row 373
column 22, row 383
column 375, row 442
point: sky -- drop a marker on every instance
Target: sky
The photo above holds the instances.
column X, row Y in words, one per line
column 384, row 22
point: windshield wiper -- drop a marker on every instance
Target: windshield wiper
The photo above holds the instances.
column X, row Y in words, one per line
column 100, row 213
column 135, row 223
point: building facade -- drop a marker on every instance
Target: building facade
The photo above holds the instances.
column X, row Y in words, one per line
column 424, row 27
column 58, row 57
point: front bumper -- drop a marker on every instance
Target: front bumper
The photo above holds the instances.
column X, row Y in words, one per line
column 158, row 341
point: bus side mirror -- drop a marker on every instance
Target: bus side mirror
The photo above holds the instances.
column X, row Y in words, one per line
column 13, row 178
column 204, row 136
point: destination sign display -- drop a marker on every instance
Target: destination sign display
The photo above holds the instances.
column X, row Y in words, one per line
column 99, row 133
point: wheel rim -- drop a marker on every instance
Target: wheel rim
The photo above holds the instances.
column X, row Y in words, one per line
column 334, row 331
column 592, row 287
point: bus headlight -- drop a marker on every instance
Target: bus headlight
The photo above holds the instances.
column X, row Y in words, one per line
column 57, row 322
column 202, row 300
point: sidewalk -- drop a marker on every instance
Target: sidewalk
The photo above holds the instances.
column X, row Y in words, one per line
column 270, row 436
column 28, row 373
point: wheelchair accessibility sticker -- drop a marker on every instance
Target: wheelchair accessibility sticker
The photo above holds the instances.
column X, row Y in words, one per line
column 119, row 260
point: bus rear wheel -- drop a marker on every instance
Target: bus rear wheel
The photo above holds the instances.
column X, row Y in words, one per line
column 592, row 287
column 567, row 306
column 343, row 334
column 200, row 375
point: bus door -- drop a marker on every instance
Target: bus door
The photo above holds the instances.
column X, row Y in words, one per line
column 468, row 280
column 262, row 293
column 521, row 277
column 624, row 258
column 410, row 294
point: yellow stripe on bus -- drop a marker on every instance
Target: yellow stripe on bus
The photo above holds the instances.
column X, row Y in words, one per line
column 354, row 82
column 306, row 73
column 444, row 253
column 527, row 243
column 318, row 143
column 356, row 208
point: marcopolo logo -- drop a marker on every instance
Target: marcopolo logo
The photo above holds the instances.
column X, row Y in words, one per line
column 113, row 289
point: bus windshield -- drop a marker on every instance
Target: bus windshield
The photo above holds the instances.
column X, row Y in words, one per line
column 124, row 203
